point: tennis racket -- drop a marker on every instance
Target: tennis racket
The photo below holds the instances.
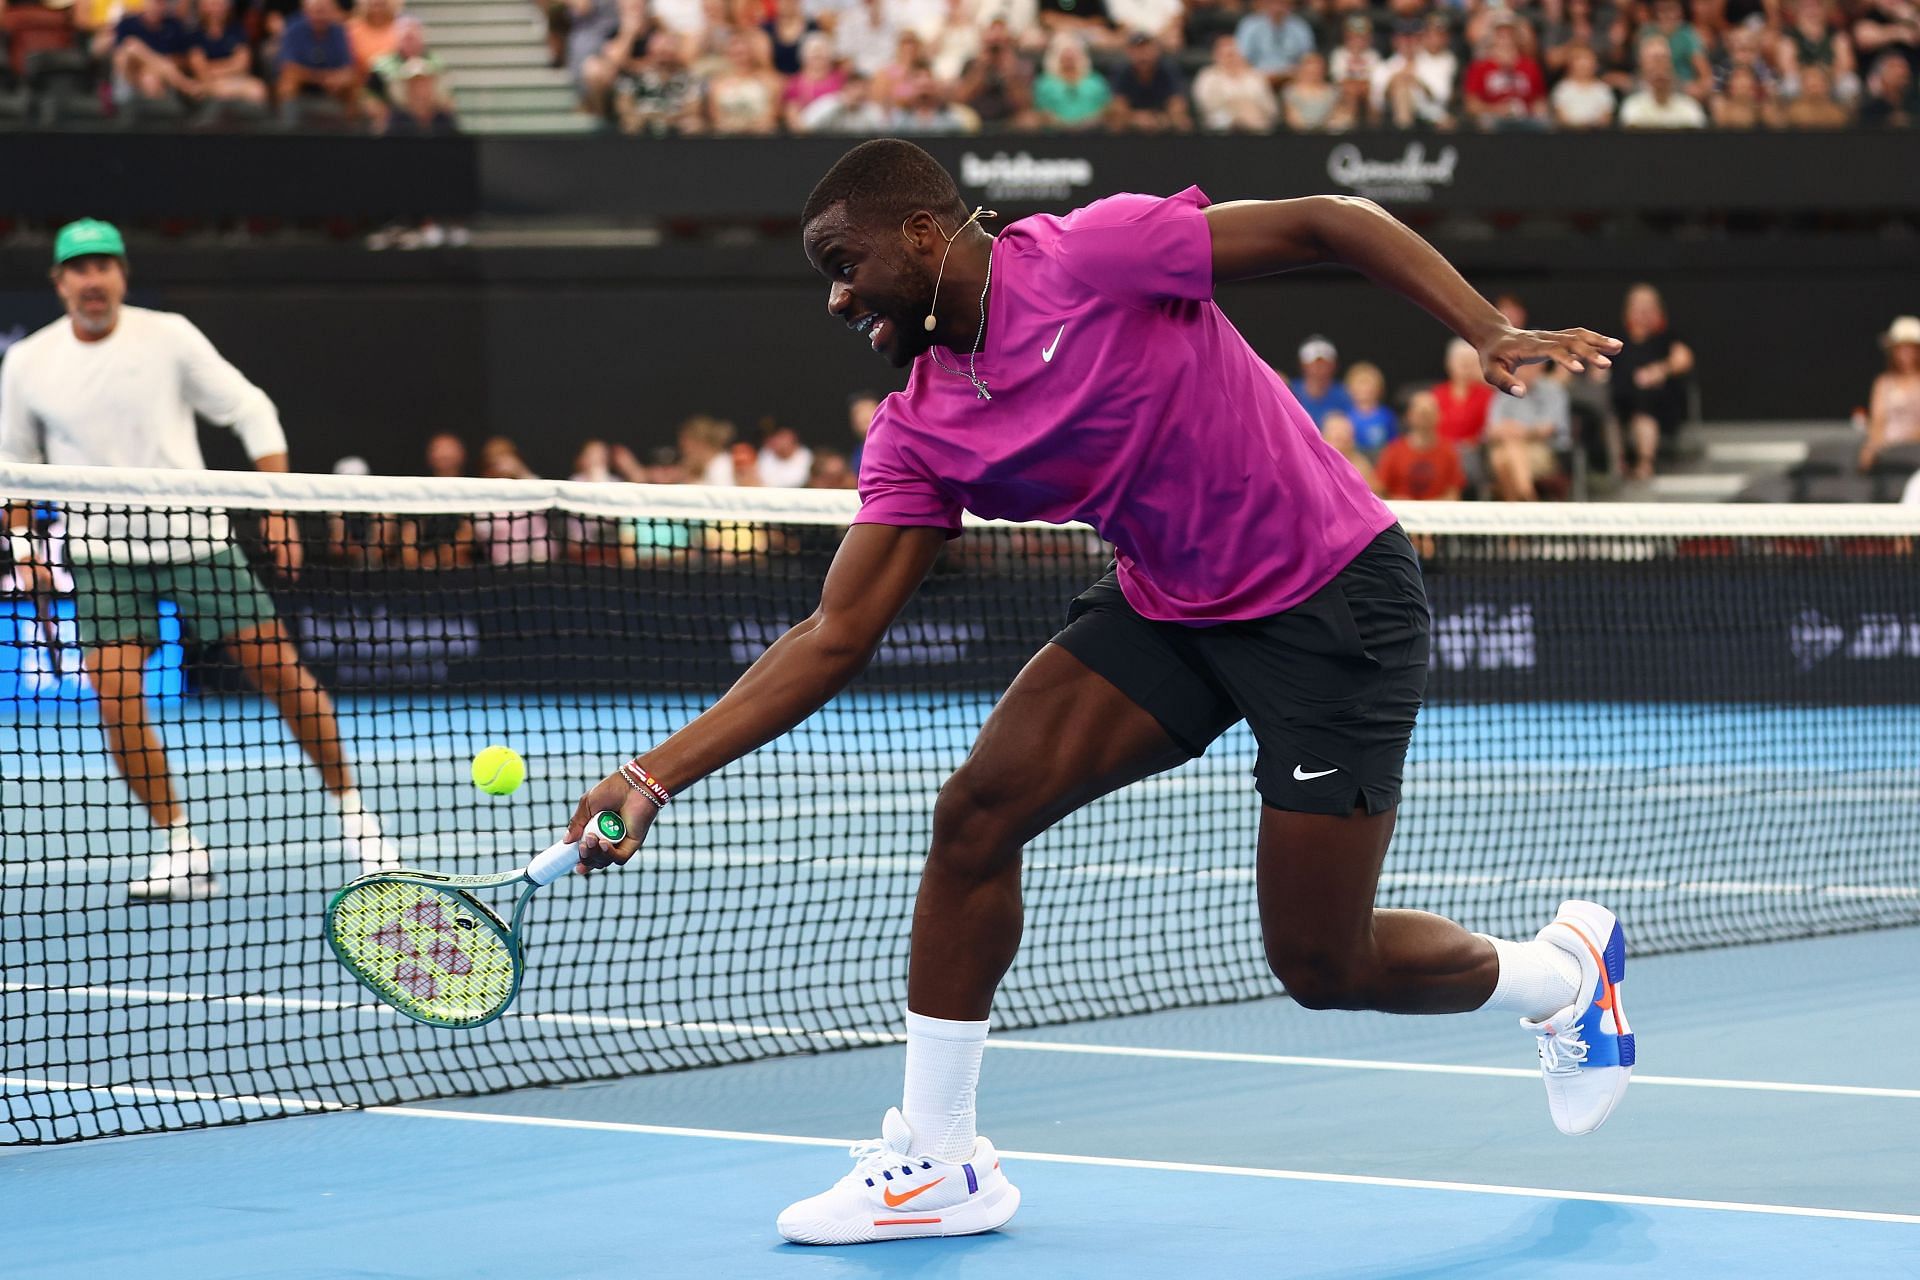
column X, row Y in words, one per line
column 423, row 944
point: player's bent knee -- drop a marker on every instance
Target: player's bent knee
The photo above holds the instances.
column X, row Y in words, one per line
column 1320, row 979
column 978, row 826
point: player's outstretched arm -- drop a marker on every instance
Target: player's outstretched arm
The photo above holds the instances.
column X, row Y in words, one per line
column 874, row 574
column 1264, row 237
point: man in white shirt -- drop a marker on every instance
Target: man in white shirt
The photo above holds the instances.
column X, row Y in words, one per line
column 785, row 463
column 1415, row 85
column 1658, row 103
column 113, row 385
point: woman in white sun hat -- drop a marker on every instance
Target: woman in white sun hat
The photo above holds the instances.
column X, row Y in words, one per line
column 1893, row 415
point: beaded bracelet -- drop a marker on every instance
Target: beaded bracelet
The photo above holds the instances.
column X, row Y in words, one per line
column 645, row 783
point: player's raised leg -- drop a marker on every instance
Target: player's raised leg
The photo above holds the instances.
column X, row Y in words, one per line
column 1061, row 737
column 1332, row 949
column 267, row 656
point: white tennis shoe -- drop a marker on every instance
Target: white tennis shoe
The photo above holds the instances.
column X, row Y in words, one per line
column 1587, row 1049
column 180, row 875
column 891, row 1195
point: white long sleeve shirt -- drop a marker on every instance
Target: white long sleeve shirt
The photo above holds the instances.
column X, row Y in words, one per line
column 129, row 400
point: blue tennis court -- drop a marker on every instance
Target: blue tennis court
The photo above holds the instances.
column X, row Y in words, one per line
column 1769, row 1133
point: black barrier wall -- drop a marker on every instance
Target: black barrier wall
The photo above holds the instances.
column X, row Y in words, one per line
column 134, row 175
column 1812, row 626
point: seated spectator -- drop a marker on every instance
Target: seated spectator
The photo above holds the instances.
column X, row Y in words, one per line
column 315, row 57
column 1893, row 413
column 1231, row 95
column 622, row 52
column 1745, row 46
column 1881, row 27
column 1085, row 21
column 818, row 77
column 1810, row 41
column 1070, row 94
column 1890, row 101
column 1372, row 420
column 1649, row 378
column 1356, row 58
column 1337, row 431
column 1419, row 466
column 744, row 460
column 221, row 60
column 1148, row 93
column 1526, row 434
column 861, row 406
column 865, row 33
column 437, row 541
column 27, row 28
column 1687, row 51
column 703, row 450
column 590, row 25
column 893, row 83
column 1505, row 87
column 373, row 31
column 852, row 110
column 661, row 94
column 1658, row 103
column 1740, row 103
column 831, row 471
column 1317, row 389
column 1162, row 21
column 927, row 110
column 744, row 96
column 410, row 53
column 787, row 30
column 1582, row 100
column 1274, row 38
column 1415, row 86
column 997, row 84
column 1463, row 398
column 150, row 53
column 1311, row 104
column 1813, row 106
column 422, row 110
column 783, row 461
column 1570, row 25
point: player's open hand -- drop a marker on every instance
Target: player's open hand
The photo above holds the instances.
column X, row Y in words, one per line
column 612, row 792
column 1575, row 350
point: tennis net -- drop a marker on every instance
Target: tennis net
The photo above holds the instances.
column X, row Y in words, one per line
column 1707, row 717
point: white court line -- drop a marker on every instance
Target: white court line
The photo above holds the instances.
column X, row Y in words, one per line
column 36, row 1084
column 1177, row 1166
column 876, row 1038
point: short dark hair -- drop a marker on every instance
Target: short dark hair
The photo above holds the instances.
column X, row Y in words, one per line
column 886, row 180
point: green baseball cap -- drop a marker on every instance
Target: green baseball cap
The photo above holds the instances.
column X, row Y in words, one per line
column 85, row 237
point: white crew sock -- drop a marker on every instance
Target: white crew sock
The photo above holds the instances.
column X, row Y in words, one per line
column 356, row 820
column 182, row 845
column 1537, row 979
column 943, row 1072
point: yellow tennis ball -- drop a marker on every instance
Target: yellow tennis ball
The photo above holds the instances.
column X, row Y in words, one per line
column 499, row 770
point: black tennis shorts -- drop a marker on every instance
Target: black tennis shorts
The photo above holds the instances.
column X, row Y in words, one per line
column 1330, row 687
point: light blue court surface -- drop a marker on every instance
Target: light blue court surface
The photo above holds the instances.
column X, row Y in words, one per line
column 1771, row 1131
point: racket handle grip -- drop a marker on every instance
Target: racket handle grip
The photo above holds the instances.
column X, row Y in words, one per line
column 555, row 862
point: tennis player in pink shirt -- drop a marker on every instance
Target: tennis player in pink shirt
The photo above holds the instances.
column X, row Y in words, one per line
column 1076, row 368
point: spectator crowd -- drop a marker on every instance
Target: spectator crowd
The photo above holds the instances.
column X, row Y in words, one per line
column 1152, row 66
column 317, row 63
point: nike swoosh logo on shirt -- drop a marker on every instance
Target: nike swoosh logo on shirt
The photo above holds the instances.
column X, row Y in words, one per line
column 1299, row 776
column 1046, row 356
column 895, row 1201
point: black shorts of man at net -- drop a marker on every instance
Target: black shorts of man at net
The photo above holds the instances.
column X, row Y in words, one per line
column 1329, row 687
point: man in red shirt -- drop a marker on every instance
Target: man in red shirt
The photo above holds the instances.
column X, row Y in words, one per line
column 1504, row 86
column 1419, row 465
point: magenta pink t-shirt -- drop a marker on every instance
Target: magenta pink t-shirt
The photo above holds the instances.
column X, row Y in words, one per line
column 1122, row 397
